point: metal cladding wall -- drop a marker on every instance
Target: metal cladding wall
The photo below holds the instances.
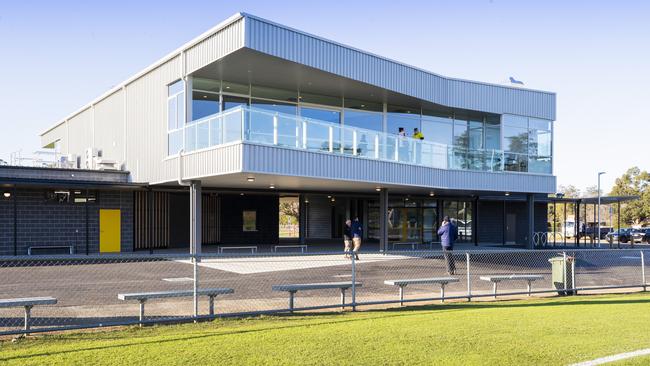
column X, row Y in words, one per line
column 200, row 164
column 109, row 126
column 80, row 133
column 282, row 161
column 216, row 46
column 146, row 115
column 296, row 46
column 140, row 141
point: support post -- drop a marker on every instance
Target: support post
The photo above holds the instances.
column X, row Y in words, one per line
column 401, row 295
column 564, row 271
column 342, row 298
column 643, row 271
column 141, row 314
column 475, row 222
column 354, row 283
column 291, row 296
column 442, row 293
column 28, row 317
column 211, row 305
column 469, row 281
column 576, row 226
column 618, row 218
column 302, row 220
column 494, row 289
column 383, row 220
column 195, row 238
column 531, row 220
column 15, row 204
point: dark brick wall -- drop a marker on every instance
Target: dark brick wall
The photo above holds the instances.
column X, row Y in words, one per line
column 490, row 216
column 42, row 223
column 232, row 207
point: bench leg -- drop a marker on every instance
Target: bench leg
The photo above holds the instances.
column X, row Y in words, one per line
column 28, row 317
column 141, row 317
column 442, row 292
column 529, row 287
column 494, row 289
column 401, row 295
column 343, row 298
column 291, row 296
column 211, row 305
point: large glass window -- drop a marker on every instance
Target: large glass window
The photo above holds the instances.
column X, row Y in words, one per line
column 321, row 99
column 362, row 119
column 273, row 93
column 528, row 144
column 274, row 106
column 176, row 105
column 461, row 134
column 492, row 133
column 515, row 139
column 232, row 102
column 204, row 104
column 321, row 114
column 475, row 135
column 437, row 127
column 235, row 88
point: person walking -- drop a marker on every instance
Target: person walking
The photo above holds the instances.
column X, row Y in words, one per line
column 357, row 234
column 347, row 237
column 448, row 233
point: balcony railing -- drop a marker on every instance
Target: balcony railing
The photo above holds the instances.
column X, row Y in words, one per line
column 278, row 129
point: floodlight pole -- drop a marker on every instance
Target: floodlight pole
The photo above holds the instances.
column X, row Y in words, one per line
column 598, row 233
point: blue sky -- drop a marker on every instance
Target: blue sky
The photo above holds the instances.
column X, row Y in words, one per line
column 56, row 56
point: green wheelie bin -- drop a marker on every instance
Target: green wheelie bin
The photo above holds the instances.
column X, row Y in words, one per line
column 561, row 273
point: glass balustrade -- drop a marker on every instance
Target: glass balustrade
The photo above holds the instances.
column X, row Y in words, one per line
column 277, row 129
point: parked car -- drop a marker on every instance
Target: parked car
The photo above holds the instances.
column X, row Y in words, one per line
column 641, row 235
column 620, row 235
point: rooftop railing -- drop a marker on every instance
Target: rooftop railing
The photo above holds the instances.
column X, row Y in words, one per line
column 279, row 129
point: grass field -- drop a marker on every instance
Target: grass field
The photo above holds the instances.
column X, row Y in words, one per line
column 553, row 331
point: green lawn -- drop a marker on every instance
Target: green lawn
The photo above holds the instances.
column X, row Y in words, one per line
column 553, row 331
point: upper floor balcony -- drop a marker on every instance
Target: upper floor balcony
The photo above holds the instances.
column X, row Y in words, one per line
column 257, row 126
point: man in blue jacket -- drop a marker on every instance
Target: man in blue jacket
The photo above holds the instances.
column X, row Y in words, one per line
column 448, row 233
column 357, row 234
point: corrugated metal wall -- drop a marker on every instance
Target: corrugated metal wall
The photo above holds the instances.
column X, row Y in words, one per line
column 109, row 127
column 219, row 160
column 274, row 160
column 216, row 46
column 328, row 56
column 319, row 213
column 58, row 133
column 146, row 115
column 80, row 133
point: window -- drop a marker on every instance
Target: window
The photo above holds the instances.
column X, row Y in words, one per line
column 437, row 127
column 206, row 85
column 289, row 217
column 232, row 102
column 204, row 104
column 461, row 136
column 321, row 99
column 362, row 119
column 327, row 115
column 176, row 105
column 515, row 139
column 528, row 144
column 249, row 219
column 364, row 105
column 275, row 94
column 475, row 134
column 274, row 106
column 234, row 88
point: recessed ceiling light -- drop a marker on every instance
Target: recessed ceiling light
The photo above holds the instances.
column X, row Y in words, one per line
column 431, row 194
column 406, row 199
column 7, row 194
column 227, row 87
column 329, row 196
column 205, row 97
column 272, row 186
column 241, row 194
column 378, row 189
column 250, row 179
column 306, row 201
column 363, row 106
column 333, row 199
column 507, row 193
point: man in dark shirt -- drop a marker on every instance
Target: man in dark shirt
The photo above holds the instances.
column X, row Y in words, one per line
column 347, row 237
column 448, row 233
column 357, row 234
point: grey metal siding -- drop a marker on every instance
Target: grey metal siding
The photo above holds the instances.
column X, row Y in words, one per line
column 289, row 44
column 80, row 133
column 58, row 133
column 216, row 46
column 109, row 127
column 220, row 160
column 281, row 161
column 319, row 218
column 146, row 113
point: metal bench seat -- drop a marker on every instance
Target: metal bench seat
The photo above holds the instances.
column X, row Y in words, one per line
column 142, row 297
column 293, row 288
column 495, row 279
column 442, row 281
column 27, row 303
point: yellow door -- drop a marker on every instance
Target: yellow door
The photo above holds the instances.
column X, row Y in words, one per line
column 109, row 231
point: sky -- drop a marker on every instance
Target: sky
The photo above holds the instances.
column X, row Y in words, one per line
column 56, row 56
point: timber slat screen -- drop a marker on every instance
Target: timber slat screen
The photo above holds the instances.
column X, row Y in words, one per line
column 151, row 213
column 209, row 213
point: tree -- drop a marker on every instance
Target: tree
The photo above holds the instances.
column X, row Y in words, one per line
column 634, row 182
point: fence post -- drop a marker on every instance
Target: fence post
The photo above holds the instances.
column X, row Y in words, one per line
column 195, row 287
column 469, row 282
column 573, row 274
column 564, row 271
column 354, row 282
column 643, row 270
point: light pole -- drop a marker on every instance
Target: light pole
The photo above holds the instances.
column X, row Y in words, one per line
column 599, row 174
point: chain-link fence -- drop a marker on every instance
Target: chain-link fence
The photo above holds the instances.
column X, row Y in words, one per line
column 56, row 293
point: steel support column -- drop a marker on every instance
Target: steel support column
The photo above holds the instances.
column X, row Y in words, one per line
column 383, row 220
column 195, row 217
column 302, row 208
column 531, row 220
